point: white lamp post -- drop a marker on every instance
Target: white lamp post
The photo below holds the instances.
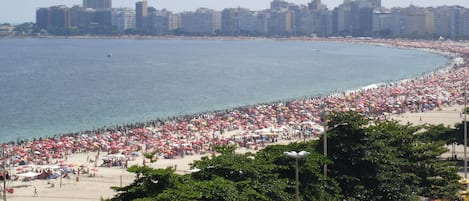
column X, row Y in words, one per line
column 296, row 156
column 323, row 114
column 4, row 173
column 465, row 129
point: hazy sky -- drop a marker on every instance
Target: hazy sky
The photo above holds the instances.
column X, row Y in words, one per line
column 17, row 11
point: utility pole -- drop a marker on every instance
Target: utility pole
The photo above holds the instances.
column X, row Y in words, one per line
column 465, row 128
column 325, row 147
column 297, row 181
column 323, row 114
column 4, row 174
column 297, row 156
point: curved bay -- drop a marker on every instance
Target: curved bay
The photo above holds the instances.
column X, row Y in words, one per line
column 52, row 86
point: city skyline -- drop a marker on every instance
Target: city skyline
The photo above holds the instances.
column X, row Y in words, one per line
column 20, row 11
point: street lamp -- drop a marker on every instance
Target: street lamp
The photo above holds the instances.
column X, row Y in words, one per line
column 296, row 156
column 323, row 115
column 4, row 173
column 465, row 129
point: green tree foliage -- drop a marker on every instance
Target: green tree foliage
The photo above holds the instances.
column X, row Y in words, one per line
column 217, row 189
column 256, row 179
column 267, row 175
column 388, row 161
column 152, row 156
column 25, row 27
column 367, row 160
column 270, row 175
column 455, row 135
column 436, row 133
column 149, row 183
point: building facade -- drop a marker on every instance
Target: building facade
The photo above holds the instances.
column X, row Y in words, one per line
column 59, row 17
column 124, row 19
column 381, row 23
column 141, row 15
column 357, row 18
column 43, row 18
column 202, row 22
column 98, row 4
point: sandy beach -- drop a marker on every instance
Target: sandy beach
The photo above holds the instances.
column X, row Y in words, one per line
column 434, row 98
column 447, row 116
column 94, row 188
column 88, row 188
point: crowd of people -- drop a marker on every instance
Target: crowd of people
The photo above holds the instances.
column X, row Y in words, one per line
column 256, row 125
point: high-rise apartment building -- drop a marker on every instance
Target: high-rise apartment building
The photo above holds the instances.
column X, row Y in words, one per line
column 81, row 17
column 174, row 22
column 369, row 3
column 124, row 19
column 357, row 18
column 141, row 15
column 262, row 23
column 381, row 23
column 60, row 17
column 442, row 21
column 281, row 22
column 229, row 19
column 202, row 22
column 465, row 22
column 316, row 5
column 158, row 21
column 238, row 21
column 55, row 16
column 348, row 18
column 43, row 17
column 246, row 22
column 304, row 20
column 279, row 4
column 419, row 22
column 98, row 4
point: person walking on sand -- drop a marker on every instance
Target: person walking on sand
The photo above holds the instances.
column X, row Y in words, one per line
column 35, row 192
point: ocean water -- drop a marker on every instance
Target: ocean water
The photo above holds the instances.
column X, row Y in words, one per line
column 53, row 86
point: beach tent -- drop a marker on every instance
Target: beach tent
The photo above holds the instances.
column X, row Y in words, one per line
column 193, row 170
column 54, row 176
column 116, row 156
column 28, row 174
column 53, row 167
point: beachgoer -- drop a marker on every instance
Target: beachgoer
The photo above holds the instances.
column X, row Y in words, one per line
column 35, row 192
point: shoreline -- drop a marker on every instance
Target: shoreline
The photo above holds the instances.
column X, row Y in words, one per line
column 455, row 59
column 385, row 43
column 431, row 97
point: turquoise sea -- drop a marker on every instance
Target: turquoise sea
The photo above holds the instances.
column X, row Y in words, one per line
column 53, row 86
